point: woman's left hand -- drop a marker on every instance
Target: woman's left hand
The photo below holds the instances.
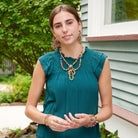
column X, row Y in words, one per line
column 78, row 121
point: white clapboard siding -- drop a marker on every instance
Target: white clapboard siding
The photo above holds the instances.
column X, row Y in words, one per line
column 126, row 105
column 84, row 2
column 125, row 96
column 124, row 66
column 84, row 18
column 117, row 46
column 126, row 77
column 123, row 58
column 128, row 87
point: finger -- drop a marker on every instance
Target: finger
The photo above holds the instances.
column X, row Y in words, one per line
column 66, row 117
column 74, row 120
column 59, row 127
column 64, row 122
column 58, row 124
column 61, row 121
column 70, row 122
column 80, row 115
column 84, row 119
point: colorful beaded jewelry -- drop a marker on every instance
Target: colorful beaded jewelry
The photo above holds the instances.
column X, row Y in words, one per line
column 47, row 115
column 93, row 121
column 70, row 69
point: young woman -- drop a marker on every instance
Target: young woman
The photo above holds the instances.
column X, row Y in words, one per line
column 73, row 75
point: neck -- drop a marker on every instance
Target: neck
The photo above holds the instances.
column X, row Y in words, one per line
column 71, row 50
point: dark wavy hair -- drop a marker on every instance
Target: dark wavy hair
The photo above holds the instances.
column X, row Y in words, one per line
column 60, row 8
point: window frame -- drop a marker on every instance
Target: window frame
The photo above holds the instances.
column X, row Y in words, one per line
column 97, row 28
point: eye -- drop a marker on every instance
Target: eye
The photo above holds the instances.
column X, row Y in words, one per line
column 57, row 26
column 69, row 22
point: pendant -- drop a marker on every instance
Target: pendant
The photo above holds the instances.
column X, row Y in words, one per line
column 70, row 69
column 71, row 73
column 70, row 66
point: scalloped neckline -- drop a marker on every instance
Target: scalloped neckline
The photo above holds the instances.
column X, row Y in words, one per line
column 71, row 58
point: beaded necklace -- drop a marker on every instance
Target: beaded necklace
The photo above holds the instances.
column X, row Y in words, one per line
column 70, row 69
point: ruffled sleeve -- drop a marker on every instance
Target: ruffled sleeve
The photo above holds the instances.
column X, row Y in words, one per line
column 46, row 62
column 100, row 60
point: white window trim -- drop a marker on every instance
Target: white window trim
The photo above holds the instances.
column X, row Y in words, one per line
column 96, row 26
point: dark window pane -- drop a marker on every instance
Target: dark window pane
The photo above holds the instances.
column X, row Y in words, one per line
column 124, row 10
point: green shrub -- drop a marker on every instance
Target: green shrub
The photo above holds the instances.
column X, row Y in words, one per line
column 6, row 97
column 21, row 85
column 6, row 79
column 19, row 93
column 16, row 131
column 107, row 134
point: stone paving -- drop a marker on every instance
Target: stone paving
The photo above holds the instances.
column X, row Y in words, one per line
column 13, row 117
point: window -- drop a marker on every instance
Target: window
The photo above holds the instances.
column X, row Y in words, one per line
column 112, row 17
column 117, row 11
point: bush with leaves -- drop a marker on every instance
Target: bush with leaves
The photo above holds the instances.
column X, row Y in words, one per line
column 24, row 29
column 107, row 134
column 19, row 91
column 20, row 88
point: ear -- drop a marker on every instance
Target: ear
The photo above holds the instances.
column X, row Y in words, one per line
column 80, row 25
column 52, row 30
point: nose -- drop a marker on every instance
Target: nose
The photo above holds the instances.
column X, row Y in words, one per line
column 64, row 28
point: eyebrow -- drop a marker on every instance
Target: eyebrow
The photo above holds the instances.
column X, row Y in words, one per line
column 65, row 21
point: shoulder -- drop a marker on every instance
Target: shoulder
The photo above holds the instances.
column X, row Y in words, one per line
column 47, row 62
column 95, row 55
column 48, row 55
column 47, row 59
column 97, row 59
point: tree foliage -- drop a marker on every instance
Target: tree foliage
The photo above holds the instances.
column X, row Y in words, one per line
column 24, row 29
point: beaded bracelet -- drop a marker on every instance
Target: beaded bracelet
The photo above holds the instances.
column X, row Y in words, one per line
column 94, row 121
column 45, row 118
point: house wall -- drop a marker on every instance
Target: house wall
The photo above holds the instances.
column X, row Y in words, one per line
column 123, row 58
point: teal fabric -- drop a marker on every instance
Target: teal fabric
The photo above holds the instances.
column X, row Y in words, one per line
column 77, row 96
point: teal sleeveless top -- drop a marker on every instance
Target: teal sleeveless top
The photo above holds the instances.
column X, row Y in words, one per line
column 77, row 96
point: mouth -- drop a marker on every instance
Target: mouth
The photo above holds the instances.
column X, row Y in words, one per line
column 66, row 37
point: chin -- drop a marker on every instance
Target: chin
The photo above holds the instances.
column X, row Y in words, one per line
column 69, row 43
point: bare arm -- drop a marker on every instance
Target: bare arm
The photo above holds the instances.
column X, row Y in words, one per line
column 32, row 112
column 35, row 91
column 106, row 99
column 105, row 90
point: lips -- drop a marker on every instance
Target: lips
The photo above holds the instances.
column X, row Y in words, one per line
column 66, row 37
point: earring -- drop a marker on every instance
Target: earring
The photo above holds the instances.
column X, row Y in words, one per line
column 79, row 37
column 55, row 44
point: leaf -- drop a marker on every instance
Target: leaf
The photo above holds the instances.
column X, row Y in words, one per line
column 24, row 29
column 116, row 133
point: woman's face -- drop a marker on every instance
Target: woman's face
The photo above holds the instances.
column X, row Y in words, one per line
column 66, row 28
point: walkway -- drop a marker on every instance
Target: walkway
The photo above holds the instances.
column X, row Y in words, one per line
column 13, row 117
